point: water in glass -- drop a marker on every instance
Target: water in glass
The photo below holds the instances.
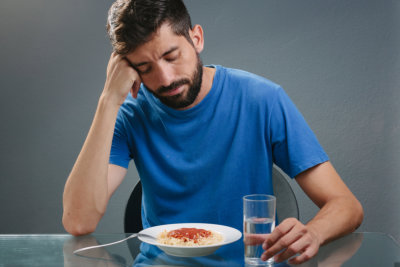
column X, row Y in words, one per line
column 255, row 228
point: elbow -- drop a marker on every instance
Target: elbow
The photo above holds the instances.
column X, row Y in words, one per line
column 359, row 214
column 79, row 221
column 78, row 227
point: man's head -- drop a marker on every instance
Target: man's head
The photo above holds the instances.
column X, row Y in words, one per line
column 157, row 38
column 132, row 22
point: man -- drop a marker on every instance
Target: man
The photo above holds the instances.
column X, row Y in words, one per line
column 201, row 138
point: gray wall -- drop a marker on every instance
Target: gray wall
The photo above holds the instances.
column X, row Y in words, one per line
column 337, row 60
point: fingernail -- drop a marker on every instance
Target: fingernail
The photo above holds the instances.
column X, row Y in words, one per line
column 263, row 258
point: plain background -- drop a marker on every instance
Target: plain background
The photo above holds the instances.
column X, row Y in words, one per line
column 338, row 60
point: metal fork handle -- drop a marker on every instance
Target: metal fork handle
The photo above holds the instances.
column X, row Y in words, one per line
column 113, row 243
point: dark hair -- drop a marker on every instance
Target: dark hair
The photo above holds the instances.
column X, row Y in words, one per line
column 131, row 23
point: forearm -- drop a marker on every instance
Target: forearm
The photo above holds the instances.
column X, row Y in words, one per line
column 338, row 217
column 86, row 191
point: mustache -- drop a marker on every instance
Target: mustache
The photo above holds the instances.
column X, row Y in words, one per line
column 173, row 85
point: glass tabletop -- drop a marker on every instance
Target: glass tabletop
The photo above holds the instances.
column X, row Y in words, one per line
column 357, row 249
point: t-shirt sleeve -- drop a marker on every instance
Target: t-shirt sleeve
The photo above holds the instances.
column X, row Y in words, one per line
column 120, row 154
column 295, row 148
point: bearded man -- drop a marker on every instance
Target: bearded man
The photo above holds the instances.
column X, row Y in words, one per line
column 201, row 138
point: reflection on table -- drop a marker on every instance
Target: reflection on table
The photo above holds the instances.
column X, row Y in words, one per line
column 357, row 249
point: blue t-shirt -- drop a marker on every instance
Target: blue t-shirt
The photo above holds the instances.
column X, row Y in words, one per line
column 195, row 165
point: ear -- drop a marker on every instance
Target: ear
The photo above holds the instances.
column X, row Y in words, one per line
column 196, row 34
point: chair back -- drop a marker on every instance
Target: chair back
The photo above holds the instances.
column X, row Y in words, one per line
column 133, row 211
column 286, row 202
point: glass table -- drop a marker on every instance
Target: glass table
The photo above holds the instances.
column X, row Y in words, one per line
column 357, row 249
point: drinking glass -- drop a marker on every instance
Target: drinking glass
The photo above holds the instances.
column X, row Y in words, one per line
column 258, row 220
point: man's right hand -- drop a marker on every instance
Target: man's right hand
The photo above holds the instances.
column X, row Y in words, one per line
column 122, row 78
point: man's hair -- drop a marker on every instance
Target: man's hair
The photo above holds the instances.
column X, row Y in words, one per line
column 131, row 23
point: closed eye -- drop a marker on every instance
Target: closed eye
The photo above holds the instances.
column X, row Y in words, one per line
column 171, row 59
column 143, row 70
column 172, row 54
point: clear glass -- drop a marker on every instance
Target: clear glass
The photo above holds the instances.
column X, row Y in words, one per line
column 258, row 220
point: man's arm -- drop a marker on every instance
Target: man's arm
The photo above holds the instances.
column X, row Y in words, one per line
column 340, row 213
column 92, row 180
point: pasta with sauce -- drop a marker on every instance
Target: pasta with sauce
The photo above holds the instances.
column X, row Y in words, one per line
column 190, row 237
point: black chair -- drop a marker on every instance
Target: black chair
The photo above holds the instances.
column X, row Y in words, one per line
column 286, row 203
column 133, row 218
column 133, row 211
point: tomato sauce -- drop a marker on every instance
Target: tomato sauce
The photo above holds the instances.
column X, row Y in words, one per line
column 187, row 234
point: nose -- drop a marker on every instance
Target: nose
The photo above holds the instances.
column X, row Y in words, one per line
column 164, row 74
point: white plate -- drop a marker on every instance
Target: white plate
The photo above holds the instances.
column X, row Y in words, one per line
column 230, row 235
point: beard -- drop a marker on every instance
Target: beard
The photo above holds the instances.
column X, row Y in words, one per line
column 186, row 98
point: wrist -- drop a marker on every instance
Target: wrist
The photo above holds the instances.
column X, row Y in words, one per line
column 109, row 101
column 108, row 105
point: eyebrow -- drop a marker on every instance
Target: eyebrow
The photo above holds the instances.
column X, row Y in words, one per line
column 172, row 49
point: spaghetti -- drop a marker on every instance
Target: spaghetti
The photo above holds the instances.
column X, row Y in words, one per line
column 189, row 237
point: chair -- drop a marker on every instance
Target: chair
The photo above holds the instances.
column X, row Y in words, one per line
column 133, row 211
column 286, row 203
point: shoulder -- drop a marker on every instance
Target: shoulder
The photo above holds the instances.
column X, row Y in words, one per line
column 250, row 84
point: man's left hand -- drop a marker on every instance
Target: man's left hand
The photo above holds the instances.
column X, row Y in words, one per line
column 289, row 238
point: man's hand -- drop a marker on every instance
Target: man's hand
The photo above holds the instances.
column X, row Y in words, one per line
column 121, row 78
column 340, row 213
column 289, row 238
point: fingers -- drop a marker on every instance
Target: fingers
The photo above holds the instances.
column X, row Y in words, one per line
column 282, row 238
column 114, row 57
column 254, row 239
column 115, row 62
column 290, row 251
column 280, row 231
column 304, row 247
column 135, row 88
column 303, row 257
column 122, row 78
column 291, row 237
